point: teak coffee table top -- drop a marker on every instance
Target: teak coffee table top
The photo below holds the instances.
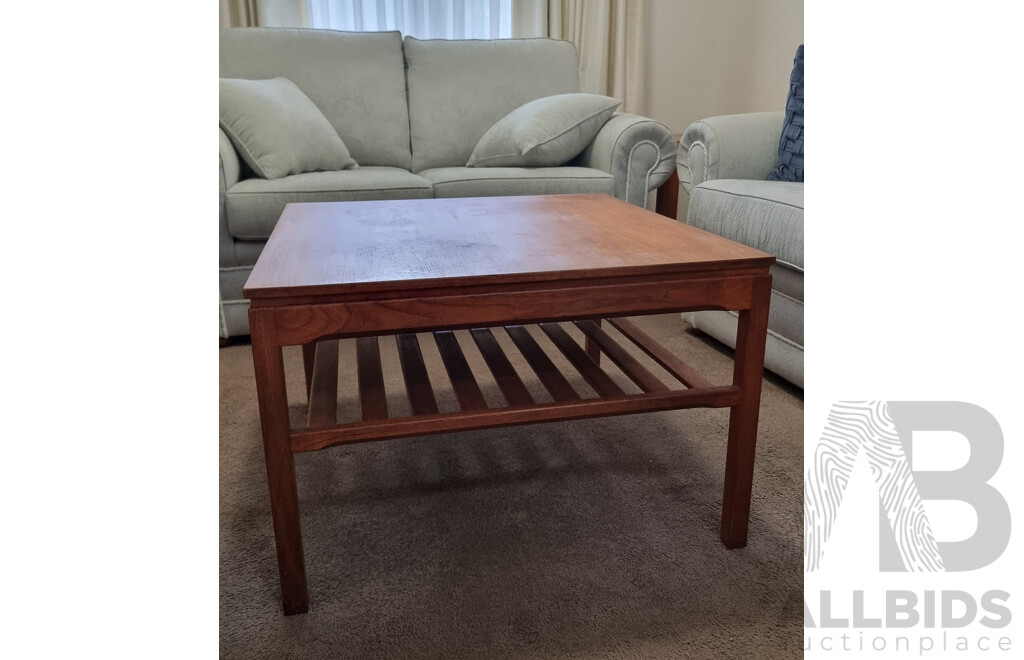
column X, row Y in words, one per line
column 536, row 270
column 378, row 246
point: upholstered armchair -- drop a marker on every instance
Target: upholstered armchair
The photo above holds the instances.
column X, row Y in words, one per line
column 724, row 163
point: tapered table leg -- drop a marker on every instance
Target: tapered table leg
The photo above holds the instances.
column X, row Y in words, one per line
column 284, row 500
column 751, row 333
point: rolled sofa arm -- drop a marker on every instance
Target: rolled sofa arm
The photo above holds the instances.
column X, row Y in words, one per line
column 638, row 152
column 230, row 170
column 729, row 147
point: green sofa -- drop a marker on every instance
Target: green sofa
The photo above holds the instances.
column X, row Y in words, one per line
column 723, row 163
column 410, row 113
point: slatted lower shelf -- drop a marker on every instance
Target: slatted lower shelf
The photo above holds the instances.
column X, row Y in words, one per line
column 377, row 422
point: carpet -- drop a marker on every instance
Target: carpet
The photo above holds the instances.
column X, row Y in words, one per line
column 582, row 539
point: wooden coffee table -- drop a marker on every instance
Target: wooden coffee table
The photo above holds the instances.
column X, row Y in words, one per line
column 366, row 270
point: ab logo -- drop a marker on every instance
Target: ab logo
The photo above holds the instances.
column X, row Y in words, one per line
column 883, row 430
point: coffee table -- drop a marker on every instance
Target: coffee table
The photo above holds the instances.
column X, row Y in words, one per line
column 368, row 270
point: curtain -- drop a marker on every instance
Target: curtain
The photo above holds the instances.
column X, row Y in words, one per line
column 423, row 19
column 263, row 13
column 609, row 35
column 239, row 13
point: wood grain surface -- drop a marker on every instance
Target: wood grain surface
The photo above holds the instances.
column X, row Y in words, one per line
column 380, row 246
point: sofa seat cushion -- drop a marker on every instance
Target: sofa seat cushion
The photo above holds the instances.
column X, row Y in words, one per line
column 247, row 252
column 787, row 281
column 254, row 205
column 499, row 181
column 766, row 215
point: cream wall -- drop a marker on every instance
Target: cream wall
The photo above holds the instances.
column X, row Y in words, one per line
column 719, row 57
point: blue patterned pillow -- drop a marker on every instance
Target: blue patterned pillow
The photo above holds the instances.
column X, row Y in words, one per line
column 791, row 144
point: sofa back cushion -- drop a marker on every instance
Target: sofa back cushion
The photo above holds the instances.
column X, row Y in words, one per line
column 356, row 79
column 459, row 89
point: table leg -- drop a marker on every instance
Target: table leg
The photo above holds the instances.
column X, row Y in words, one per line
column 667, row 201
column 751, row 334
column 284, row 501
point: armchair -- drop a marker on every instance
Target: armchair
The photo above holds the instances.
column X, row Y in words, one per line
column 723, row 163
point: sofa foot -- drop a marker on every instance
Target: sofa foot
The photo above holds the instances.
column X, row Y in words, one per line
column 224, row 341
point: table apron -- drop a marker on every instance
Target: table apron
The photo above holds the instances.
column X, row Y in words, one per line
column 301, row 324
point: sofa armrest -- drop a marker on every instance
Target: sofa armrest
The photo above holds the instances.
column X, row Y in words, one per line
column 230, row 171
column 231, row 168
column 742, row 146
column 637, row 151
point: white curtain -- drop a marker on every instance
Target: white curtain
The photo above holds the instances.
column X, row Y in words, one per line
column 609, row 35
column 423, row 19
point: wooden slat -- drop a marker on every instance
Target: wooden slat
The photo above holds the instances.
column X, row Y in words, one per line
column 308, row 355
column 555, row 383
column 467, row 392
column 313, row 440
column 591, row 347
column 417, row 383
column 505, row 375
column 373, row 400
column 323, row 392
column 598, row 379
column 684, row 372
column 637, row 372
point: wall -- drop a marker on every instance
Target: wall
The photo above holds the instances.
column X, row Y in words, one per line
column 708, row 58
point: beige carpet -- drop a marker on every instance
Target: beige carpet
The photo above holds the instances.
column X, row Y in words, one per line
column 584, row 539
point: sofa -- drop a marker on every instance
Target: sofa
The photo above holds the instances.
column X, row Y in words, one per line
column 723, row 163
column 410, row 113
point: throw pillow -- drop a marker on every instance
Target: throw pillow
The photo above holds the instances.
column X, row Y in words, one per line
column 277, row 130
column 791, row 144
column 547, row 132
